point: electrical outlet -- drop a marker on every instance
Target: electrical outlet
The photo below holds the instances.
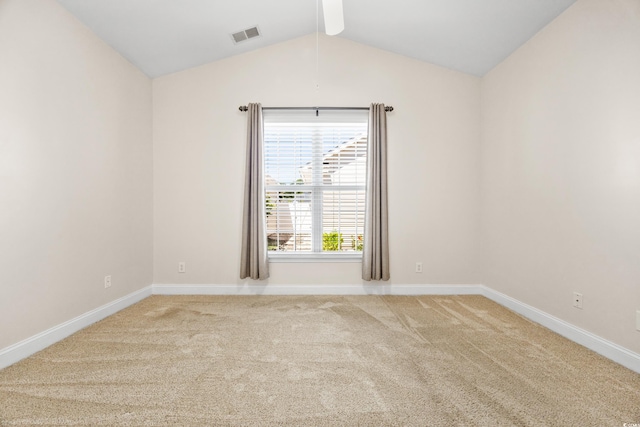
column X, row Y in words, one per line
column 418, row 267
column 577, row 300
column 182, row 267
column 107, row 282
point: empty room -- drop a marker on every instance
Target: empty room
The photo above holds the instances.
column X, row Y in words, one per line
column 320, row 212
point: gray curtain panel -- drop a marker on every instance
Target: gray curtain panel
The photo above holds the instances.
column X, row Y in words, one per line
column 253, row 259
column 375, row 253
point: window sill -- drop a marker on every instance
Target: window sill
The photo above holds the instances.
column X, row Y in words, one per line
column 308, row 257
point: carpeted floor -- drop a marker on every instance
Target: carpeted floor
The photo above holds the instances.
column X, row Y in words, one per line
column 318, row 361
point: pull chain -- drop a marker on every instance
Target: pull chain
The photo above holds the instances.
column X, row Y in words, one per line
column 317, row 46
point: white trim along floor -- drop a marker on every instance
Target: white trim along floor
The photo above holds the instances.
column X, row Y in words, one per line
column 29, row 346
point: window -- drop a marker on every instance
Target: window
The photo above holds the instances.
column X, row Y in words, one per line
column 315, row 175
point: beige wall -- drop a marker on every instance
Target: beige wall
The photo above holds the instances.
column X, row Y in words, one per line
column 561, row 170
column 199, row 146
column 75, row 170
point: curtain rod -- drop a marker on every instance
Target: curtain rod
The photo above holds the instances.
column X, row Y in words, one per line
column 245, row 108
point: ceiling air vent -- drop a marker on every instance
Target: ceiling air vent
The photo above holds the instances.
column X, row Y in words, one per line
column 247, row 34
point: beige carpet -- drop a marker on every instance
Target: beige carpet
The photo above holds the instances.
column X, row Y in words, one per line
column 318, row 361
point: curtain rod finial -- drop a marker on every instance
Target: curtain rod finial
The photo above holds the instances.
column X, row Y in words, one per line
column 243, row 108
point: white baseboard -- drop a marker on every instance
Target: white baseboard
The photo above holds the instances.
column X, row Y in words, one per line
column 376, row 289
column 612, row 351
column 34, row 344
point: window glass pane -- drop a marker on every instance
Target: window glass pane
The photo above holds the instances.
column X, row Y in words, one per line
column 288, row 152
column 342, row 220
column 289, row 221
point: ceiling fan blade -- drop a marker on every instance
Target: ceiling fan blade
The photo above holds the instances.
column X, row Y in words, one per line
column 333, row 17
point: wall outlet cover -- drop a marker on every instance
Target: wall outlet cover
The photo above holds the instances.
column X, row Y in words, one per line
column 577, row 300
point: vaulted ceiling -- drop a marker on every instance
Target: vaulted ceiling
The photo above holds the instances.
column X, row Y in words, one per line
column 165, row 36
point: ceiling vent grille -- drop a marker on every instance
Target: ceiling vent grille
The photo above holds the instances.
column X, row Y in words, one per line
column 247, row 34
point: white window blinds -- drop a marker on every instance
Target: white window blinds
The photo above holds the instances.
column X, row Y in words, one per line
column 315, row 174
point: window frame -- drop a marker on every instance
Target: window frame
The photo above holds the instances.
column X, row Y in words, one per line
column 309, row 118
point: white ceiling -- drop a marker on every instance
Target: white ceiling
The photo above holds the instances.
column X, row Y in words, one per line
column 164, row 36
